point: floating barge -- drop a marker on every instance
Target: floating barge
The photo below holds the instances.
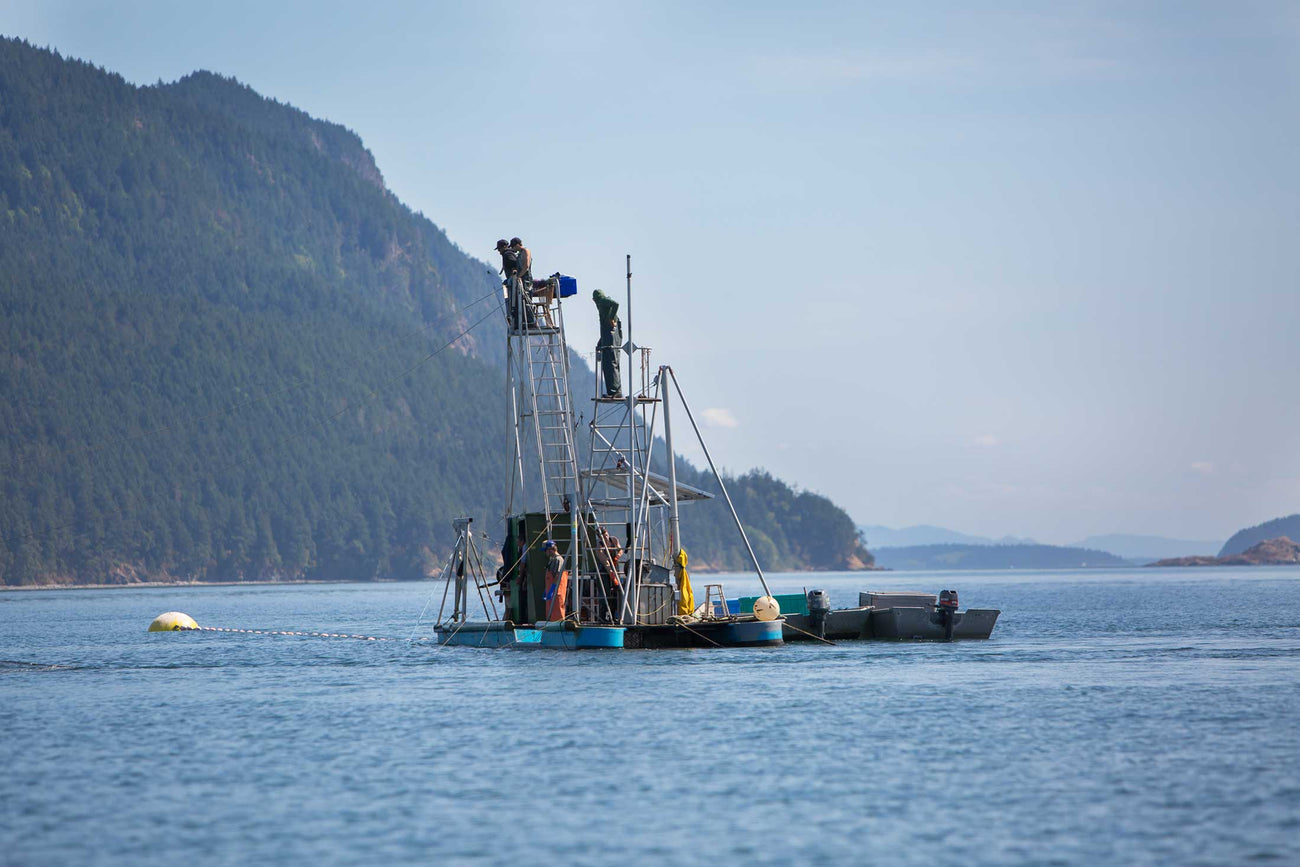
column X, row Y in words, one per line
column 591, row 555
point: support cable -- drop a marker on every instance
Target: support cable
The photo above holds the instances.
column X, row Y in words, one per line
column 721, row 484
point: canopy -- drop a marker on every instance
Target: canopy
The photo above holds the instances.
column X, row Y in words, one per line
column 617, row 479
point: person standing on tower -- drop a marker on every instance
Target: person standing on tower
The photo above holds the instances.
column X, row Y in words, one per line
column 510, row 270
column 525, row 262
column 611, row 337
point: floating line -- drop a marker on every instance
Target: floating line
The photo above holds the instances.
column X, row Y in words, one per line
column 287, row 632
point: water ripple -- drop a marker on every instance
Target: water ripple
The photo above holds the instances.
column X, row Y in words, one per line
column 1113, row 719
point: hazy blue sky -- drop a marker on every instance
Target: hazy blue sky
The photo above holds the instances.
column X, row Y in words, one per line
column 1025, row 268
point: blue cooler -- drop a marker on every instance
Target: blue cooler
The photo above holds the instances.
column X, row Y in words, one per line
column 568, row 286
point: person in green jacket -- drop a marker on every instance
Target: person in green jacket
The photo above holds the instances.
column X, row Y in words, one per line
column 611, row 336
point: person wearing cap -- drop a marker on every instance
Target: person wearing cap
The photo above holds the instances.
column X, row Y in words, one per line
column 511, row 270
column 525, row 262
column 557, row 582
column 611, row 335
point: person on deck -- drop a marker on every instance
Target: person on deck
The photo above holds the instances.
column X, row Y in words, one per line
column 608, row 552
column 511, row 589
column 557, row 582
column 611, row 336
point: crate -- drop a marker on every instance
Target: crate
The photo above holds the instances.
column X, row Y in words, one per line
column 655, row 604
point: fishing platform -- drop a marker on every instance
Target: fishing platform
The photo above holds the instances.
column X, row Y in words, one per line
column 592, row 553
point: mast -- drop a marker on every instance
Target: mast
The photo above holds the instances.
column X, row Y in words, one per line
column 517, row 465
column 631, row 598
column 674, row 523
column 572, row 490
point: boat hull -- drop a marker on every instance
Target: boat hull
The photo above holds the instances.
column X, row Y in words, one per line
column 841, row 624
column 728, row 632
column 902, row 623
column 558, row 636
column 919, row 624
column 493, row 633
column 566, row 636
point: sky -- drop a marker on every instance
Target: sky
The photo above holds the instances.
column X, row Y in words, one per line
column 1005, row 267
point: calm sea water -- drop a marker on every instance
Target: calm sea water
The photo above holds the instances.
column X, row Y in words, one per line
column 1116, row 717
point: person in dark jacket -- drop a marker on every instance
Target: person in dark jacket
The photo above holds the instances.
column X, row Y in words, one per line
column 611, row 336
column 525, row 262
column 511, row 271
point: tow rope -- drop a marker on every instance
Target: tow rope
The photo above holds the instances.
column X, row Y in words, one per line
column 285, row 632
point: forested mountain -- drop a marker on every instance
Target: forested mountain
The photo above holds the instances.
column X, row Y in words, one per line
column 1243, row 539
column 229, row 352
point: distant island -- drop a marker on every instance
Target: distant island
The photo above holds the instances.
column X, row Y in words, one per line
column 1142, row 549
column 1270, row 552
column 1134, row 549
column 878, row 536
column 1288, row 527
column 952, row 556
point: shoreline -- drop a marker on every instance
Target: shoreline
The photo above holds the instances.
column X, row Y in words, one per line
column 138, row 584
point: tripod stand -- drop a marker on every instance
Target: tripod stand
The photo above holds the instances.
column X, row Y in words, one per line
column 464, row 565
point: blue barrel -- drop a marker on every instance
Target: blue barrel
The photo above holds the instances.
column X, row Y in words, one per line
column 568, row 286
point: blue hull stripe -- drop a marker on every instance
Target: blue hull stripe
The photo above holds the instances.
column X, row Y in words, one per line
column 497, row 635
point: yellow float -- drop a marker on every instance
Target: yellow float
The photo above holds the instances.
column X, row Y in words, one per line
column 172, row 621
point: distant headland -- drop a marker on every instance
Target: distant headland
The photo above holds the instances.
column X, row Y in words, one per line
column 1270, row 552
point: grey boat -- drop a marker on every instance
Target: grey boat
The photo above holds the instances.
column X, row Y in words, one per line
column 885, row 617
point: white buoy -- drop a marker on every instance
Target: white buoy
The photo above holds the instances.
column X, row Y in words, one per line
column 766, row 608
column 172, row 621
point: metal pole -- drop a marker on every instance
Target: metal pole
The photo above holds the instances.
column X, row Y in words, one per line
column 631, row 597
column 674, row 523
column 647, row 544
column 721, row 485
column 491, row 612
column 572, row 493
column 534, row 405
column 462, row 591
column 518, row 468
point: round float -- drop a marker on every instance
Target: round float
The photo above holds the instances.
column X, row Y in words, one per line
column 172, row 621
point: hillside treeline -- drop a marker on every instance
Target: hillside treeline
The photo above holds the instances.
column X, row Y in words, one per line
column 227, row 351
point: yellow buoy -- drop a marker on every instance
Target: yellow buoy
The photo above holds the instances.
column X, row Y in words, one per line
column 172, row 621
column 766, row 608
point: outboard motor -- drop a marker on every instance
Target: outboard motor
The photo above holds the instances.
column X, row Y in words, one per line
column 819, row 606
column 947, row 611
